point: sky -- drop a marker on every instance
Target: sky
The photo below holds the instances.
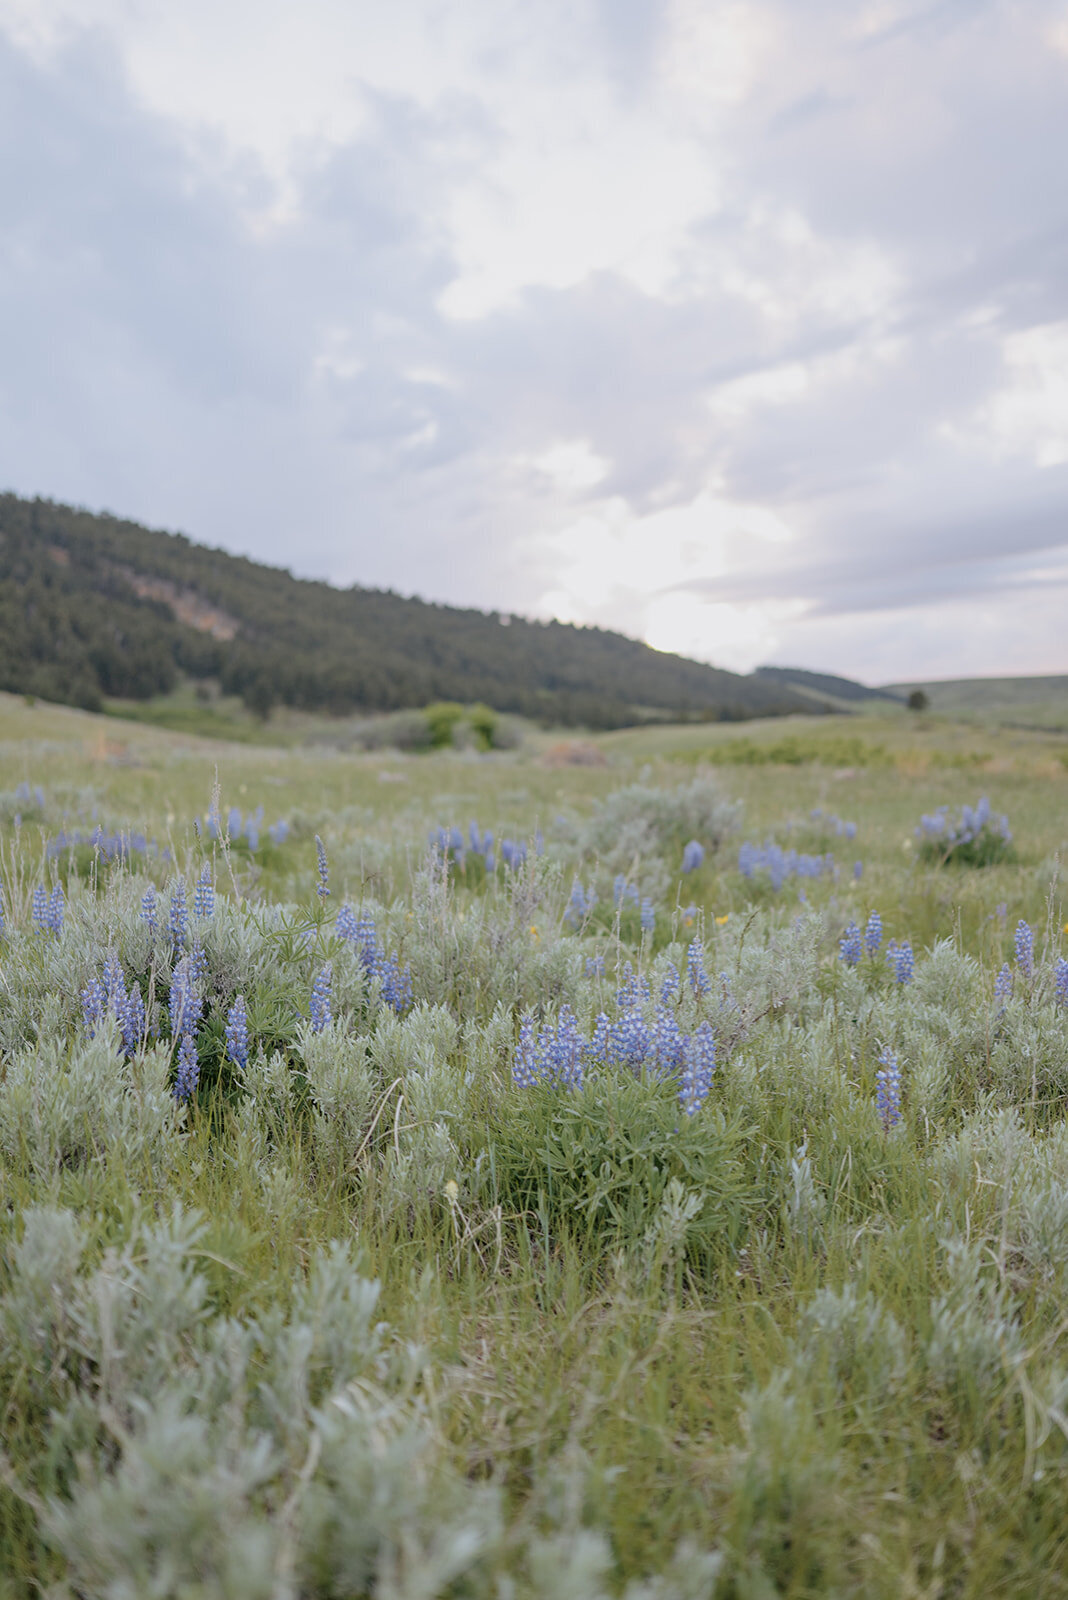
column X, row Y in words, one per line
column 738, row 327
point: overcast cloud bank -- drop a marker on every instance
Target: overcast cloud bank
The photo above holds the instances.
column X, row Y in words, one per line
column 742, row 328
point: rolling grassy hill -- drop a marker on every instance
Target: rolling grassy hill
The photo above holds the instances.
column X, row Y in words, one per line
column 1040, row 703
column 93, row 607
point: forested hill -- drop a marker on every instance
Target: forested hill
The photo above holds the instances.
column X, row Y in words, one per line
column 94, row 607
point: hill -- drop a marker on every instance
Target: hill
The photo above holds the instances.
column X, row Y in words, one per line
column 92, row 607
column 1040, row 703
column 825, row 686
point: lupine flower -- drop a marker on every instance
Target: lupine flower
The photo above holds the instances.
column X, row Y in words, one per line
column 94, row 1005
column 903, row 962
column 696, row 976
column 237, row 1033
column 595, row 966
column 1024, row 941
column 278, row 831
column 858, row 870
column 148, row 909
column 563, row 1049
column 178, row 913
column 132, row 1020
column 692, row 856
column 648, row 916
column 396, row 981
column 669, row 989
column 114, row 984
column 632, row 1041
column 699, row 1066
column 781, row 864
column 1003, row 986
column 233, row 822
column 40, row 908
column 873, row 933
column 580, row 904
column 526, row 1070
column 184, row 1003
column 198, row 966
column 188, row 1074
column 634, row 990
column 622, row 890
column 1060, row 982
column 322, row 888
column 669, row 1045
column 321, row 1015
column 600, row 1048
column 56, row 907
column 849, row 946
column 888, row 1090
column 204, row 894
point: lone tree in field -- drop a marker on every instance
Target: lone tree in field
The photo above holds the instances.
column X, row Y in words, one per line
column 918, row 701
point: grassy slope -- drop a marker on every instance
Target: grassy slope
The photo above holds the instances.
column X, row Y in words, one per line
column 540, row 1362
column 1025, row 702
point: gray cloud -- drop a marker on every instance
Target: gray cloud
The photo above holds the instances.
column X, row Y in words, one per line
column 829, row 349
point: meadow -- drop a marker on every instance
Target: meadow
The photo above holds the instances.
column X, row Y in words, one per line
column 665, row 1197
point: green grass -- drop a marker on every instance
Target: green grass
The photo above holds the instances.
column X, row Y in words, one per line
column 831, row 1355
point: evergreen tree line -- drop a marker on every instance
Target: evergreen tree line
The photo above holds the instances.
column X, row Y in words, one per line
column 74, row 629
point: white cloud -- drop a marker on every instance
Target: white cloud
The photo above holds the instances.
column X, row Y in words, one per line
column 732, row 324
column 1029, row 415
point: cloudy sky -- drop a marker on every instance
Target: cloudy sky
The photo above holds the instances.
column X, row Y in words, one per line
column 741, row 327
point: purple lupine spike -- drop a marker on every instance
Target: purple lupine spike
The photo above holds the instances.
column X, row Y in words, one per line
column 237, row 1033
column 188, row 1074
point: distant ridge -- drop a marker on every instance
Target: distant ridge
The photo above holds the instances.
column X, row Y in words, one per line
column 93, row 607
column 825, row 685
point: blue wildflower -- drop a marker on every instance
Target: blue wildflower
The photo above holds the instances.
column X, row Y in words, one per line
column 600, row 1048
column 648, row 916
column 692, row 856
column 132, row 1020
column 696, row 976
column 632, row 1042
column 188, row 1074
column 526, row 1068
column 1024, row 941
column 322, row 888
column 873, row 933
column 1003, row 986
column 888, row 1090
column 849, row 948
column 178, row 913
column 148, row 909
column 204, row 894
column 184, row 1003
column 669, row 1046
column 198, row 966
column 858, row 870
column 1060, row 982
column 56, row 907
column 698, row 1069
column 94, row 1005
column 237, row 1033
column 669, row 989
column 595, row 966
column 114, row 984
column 903, row 962
column 321, row 1015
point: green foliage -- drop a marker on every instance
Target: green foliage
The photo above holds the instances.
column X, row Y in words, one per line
column 442, row 720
